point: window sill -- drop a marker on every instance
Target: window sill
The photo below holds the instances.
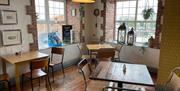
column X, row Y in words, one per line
column 136, row 44
column 47, row 47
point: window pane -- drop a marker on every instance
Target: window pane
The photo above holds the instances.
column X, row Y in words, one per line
column 42, row 35
column 125, row 13
column 133, row 4
column 140, row 26
column 151, row 26
column 132, row 11
column 56, row 11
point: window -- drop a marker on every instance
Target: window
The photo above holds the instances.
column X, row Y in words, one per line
column 50, row 18
column 130, row 12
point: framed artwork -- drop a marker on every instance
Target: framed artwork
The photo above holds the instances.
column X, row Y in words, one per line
column 11, row 37
column 8, row 17
column 73, row 12
column 4, row 2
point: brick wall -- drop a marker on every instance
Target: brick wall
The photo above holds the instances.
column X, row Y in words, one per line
column 110, row 20
column 73, row 20
column 32, row 28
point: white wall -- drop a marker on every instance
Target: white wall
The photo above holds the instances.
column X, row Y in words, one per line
column 23, row 21
column 140, row 55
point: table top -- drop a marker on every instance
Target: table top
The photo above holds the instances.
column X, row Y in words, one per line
column 27, row 56
column 98, row 46
column 112, row 71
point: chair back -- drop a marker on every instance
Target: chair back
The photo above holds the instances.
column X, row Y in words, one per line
column 38, row 64
column 118, row 49
column 106, row 53
column 57, row 51
column 174, row 80
column 80, row 48
column 85, row 70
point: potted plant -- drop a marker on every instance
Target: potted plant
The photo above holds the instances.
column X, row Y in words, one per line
column 147, row 13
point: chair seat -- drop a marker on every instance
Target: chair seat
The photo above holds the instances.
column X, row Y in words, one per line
column 53, row 63
column 35, row 74
column 85, row 56
column 4, row 77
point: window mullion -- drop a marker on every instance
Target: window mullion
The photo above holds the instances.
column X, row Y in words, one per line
column 136, row 14
column 47, row 15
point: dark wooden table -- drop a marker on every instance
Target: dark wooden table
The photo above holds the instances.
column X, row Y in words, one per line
column 112, row 71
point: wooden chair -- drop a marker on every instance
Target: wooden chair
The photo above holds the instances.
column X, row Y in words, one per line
column 80, row 47
column 5, row 78
column 89, row 85
column 57, row 51
column 118, row 49
column 36, row 72
column 106, row 54
column 92, row 85
column 173, row 82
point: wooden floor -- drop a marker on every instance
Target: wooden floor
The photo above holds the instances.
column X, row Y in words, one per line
column 72, row 81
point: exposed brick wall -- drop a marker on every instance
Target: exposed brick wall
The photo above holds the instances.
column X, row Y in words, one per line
column 110, row 20
column 32, row 28
column 73, row 20
column 158, row 23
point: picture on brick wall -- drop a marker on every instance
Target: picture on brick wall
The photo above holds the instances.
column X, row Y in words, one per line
column 11, row 37
column 4, row 2
column 8, row 17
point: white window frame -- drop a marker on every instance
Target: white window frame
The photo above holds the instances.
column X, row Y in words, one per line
column 47, row 20
column 135, row 21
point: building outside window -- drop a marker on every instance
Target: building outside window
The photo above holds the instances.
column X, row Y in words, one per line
column 130, row 12
column 50, row 18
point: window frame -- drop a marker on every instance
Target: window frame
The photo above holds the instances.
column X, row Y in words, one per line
column 47, row 20
column 135, row 20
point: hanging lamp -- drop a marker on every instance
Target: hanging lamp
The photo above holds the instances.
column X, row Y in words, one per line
column 83, row 1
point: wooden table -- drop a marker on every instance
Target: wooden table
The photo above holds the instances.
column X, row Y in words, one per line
column 96, row 47
column 112, row 71
column 18, row 60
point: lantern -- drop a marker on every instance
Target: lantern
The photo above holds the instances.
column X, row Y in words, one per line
column 121, row 38
column 130, row 37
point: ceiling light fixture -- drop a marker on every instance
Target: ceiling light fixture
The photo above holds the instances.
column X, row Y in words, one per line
column 83, row 1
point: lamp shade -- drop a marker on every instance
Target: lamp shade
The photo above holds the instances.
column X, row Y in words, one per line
column 83, row 1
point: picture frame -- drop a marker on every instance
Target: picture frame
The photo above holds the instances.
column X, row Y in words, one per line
column 73, row 12
column 11, row 37
column 8, row 17
column 4, row 2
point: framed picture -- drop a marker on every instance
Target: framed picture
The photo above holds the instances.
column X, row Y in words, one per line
column 4, row 2
column 8, row 17
column 73, row 12
column 11, row 37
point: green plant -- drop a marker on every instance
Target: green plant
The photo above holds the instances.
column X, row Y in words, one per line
column 147, row 13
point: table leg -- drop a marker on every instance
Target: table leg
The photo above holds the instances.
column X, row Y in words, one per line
column 17, row 78
column 120, row 85
column 4, row 67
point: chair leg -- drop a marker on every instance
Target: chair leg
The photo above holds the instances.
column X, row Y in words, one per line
column 9, row 85
column 32, row 84
column 49, row 82
column 22, row 83
column 53, row 73
column 39, row 81
column 63, row 69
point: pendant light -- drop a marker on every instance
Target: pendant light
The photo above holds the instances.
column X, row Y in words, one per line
column 83, row 1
